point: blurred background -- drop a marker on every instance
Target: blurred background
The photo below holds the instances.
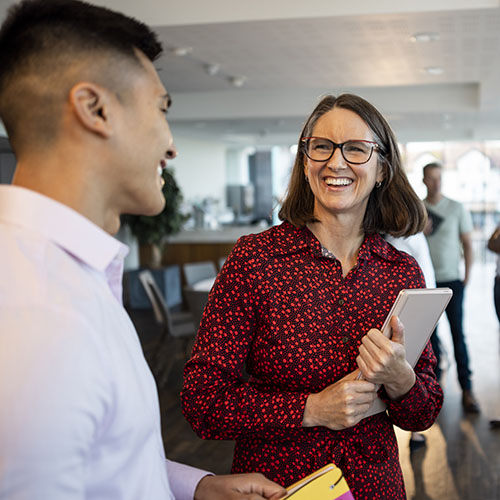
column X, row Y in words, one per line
column 245, row 75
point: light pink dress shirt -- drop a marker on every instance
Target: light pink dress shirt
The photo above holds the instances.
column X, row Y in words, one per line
column 79, row 413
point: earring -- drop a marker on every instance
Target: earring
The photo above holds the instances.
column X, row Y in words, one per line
column 306, row 178
column 378, row 184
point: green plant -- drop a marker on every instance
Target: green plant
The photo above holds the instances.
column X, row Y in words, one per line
column 153, row 229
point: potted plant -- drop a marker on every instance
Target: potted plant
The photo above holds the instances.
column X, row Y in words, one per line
column 151, row 231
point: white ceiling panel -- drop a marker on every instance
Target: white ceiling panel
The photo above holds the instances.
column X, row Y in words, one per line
column 290, row 53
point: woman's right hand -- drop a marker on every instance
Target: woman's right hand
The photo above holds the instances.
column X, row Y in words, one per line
column 340, row 405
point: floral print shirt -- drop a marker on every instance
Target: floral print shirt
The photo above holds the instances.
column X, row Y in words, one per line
column 282, row 322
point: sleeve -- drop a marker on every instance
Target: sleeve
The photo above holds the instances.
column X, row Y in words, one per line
column 419, row 408
column 217, row 400
column 55, row 394
column 184, row 479
column 423, row 257
column 466, row 225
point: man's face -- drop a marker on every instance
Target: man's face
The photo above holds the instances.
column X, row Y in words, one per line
column 144, row 143
column 432, row 181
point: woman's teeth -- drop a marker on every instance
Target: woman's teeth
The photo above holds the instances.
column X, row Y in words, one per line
column 338, row 182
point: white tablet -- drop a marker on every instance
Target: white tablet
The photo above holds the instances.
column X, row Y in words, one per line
column 419, row 310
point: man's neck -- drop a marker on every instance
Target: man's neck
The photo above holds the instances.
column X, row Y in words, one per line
column 65, row 183
column 434, row 199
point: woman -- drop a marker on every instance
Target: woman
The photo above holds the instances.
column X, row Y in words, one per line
column 299, row 306
column 494, row 246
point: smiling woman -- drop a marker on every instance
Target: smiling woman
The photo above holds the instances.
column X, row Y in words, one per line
column 300, row 306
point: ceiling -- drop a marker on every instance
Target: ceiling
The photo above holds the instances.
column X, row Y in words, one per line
column 291, row 53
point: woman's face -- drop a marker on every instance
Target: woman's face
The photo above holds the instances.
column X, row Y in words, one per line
column 339, row 186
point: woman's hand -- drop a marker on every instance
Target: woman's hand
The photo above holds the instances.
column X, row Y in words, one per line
column 340, row 405
column 383, row 361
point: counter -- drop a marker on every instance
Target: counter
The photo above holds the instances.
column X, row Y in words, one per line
column 204, row 244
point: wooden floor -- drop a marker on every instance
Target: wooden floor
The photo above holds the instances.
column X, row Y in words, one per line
column 462, row 457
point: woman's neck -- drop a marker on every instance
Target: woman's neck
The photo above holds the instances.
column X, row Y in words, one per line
column 341, row 239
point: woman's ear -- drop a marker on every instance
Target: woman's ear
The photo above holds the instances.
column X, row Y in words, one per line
column 91, row 105
column 381, row 166
column 306, row 172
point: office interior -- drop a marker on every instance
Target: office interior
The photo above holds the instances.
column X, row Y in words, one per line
column 244, row 76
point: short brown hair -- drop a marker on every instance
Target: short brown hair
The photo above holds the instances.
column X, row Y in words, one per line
column 46, row 44
column 393, row 208
column 430, row 166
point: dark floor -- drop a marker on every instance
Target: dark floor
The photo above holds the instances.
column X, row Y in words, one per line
column 462, row 458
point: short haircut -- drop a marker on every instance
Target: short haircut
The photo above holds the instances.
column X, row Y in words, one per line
column 432, row 165
column 46, row 46
column 393, row 208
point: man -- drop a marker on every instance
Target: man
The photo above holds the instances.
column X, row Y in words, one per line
column 494, row 246
column 449, row 236
column 85, row 113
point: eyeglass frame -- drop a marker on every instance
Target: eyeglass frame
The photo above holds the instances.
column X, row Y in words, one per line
column 375, row 145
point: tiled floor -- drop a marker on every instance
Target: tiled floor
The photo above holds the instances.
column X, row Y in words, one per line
column 462, row 458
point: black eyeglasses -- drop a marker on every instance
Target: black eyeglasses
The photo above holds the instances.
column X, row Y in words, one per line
column 321, row 149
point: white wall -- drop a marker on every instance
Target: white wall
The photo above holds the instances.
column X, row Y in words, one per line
column 200, row 168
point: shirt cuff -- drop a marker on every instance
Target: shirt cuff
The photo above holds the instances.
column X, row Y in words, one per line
column 411, row 400
column 184, row 479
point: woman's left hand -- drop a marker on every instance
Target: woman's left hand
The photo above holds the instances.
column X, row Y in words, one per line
column 383, row 361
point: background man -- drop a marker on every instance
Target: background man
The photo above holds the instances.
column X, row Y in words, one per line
column 85, row 113
column 448, row 236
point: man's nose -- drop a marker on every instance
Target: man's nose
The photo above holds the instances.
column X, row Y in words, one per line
column 171, row 152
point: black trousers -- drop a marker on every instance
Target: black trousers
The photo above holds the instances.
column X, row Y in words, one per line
column 454, row 313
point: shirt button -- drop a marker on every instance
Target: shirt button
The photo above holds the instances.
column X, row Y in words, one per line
column 341, row 302
column 345, row 340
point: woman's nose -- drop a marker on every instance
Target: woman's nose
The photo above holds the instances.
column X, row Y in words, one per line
column 337, row 160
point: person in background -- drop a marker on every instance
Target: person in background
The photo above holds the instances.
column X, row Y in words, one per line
column 494, row 246
column 416, row 245
column 449, row 235
column 84, row 110
column 300, row 306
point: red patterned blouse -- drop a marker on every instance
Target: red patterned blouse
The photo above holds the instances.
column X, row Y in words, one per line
column 281, row 310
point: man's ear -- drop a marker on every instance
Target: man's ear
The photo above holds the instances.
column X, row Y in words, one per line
column 91, row 105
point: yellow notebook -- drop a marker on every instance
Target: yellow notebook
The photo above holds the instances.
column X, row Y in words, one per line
column 326, row 483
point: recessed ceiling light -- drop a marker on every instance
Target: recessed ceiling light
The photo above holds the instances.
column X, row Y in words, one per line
column 181, row 51
column 237, row 81
column 212, row 69
column 425, row 37
column 434, row 70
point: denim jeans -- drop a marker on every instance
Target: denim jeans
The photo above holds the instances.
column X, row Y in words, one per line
column 497, row 296
column 454, row 313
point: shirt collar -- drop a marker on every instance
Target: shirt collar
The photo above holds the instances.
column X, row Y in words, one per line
column 289, row 239
column 60, row 224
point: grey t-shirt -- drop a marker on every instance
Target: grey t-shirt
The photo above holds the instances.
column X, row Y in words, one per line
column 450, row 220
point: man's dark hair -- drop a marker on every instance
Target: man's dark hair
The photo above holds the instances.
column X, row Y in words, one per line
column 42, row 41
column 431, row 165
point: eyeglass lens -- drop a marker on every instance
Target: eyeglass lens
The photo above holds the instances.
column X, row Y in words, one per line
column 320, row 149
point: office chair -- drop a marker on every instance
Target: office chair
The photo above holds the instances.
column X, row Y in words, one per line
column 175, row 339
column 198, row 271
column 221, row 261
column 196, row 301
